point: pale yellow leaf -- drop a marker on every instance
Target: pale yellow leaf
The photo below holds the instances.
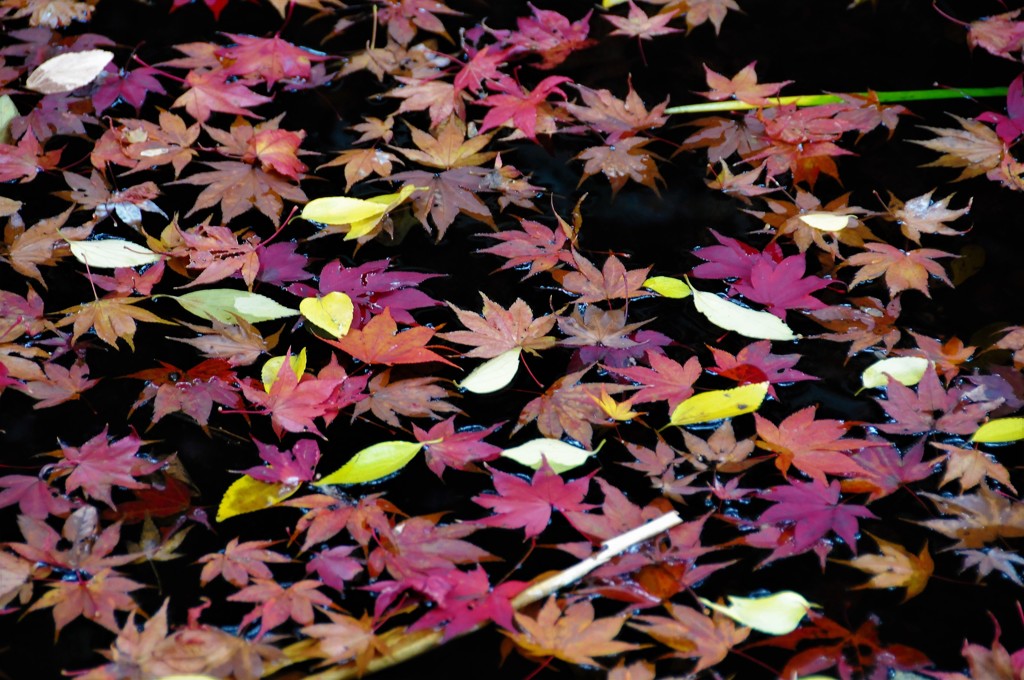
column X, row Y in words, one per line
column 776, row 614
column 906, row 370
column 561, row 456
column 719, row 404
column 749, row 323
column 493, row 374
column 331, row 313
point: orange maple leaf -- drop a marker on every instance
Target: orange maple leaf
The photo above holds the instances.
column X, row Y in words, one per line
column 379, row 342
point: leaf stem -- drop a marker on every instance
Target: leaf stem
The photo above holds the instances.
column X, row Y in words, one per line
column 819, row 99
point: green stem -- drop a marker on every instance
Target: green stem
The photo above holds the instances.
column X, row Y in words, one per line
column 818, row 99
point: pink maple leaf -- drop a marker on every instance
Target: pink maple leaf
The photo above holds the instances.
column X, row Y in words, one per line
column 755, row 363
column 469, row 602
column 103, row 463
column 781, row 285
column 444, row 447
column 519, row 105
column 815, row 510
column 286, row 467
column 527, row 504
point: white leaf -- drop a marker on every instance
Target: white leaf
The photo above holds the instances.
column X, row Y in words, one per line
column 493, row 374
column 561, row 456
column 749, row 323
column 112, row 253
column 68, row 71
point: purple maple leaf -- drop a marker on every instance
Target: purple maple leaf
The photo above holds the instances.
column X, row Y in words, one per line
column 814, row 510
column 781, row 285
column 281, row 264
column 931, row 408
column 732, row 259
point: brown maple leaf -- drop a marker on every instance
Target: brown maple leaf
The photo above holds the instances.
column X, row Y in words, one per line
column 60, row 384
column 979, row 518
column 572, row 634
column 617, row 118
column 217, row 252
column 448, row 147
column 922, row 215
column 612, row 281
column 109, row 318
column 498, row 330
column 215, row 90
column 240, row 343
column 903, row 269
column 864, row 321
column 626, row 159
column 721, row 449
column 568, row 407
column 596, row 327
column 894, row 567
column 970, row 467
column 692, row 635
column 976, row 147
column 411, row 397
column 238, row 186
column 41, row 244
column 362, row 163
column 128, row 204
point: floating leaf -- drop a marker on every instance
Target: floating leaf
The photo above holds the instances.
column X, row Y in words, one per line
column 747, row 322
column 272, row 367
column 719, row 404
column 667, row 286
column 906, row 370
column 999, row 431
column 362, row 215
column 373, row 463
column 331, row 313
column 776, row 614
column 493, row 374
column 8, row 112
column 825, row 221
column 68, row 71
column 247, row 495
column 561, row 456
column 227, row 304
column 112, row 253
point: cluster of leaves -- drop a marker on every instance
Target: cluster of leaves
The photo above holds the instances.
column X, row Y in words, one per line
column 359, row 581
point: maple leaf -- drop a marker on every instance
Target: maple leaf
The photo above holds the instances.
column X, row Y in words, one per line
column 612, row 281
column 96, row 598
column 131, row 87
column 335, row 566
column 439, row 97
column 192, row 392
column 239, row 187
column 931, row 408
column 781, row 285
column 470, row 602
column 637, row 24
column 568, row 407
column 26, row 159
column 536, row 245
column 981, row 517
column 102, row 463
column 971, row 466
column 360, row 164
column 404, row 17
column 922, row 215
column 815, row 510
column 448, row 147
column 886, row 470
column 692, row 635
column 528, row 505
column 483, row 65
column 755, row 363
column 742, row 86
column 141, row 145
column 28, row 249
column 521, row 107
column 992, row 559
column 380, row 342
column 444, row 447
column 721, row 449
column 420, row 545
column 626, row 159
column 975, row 147
column 240, row 343
column 1009, row 128
column 444, row 195
column 665, row 380
column 109, row 318
column 240, row 563
column 864, row 321
column 731, row 259
column 217, row 252
column 286, row 467
column 895, row 567
column 701, row 11
column 615, row 117
column 35, row 497
column 293, row 401
column 815, row 447
column 172, row 497
column 347, row 638
column 549, row 34
column 572, row 634
column 597, row 328
column 272, row 59
column 276, row 604
column 498, row 330
column 58, row 385
column 947, row 357
column 128, row 204
column 411, row 397
column 903, row 270
column 210, row 90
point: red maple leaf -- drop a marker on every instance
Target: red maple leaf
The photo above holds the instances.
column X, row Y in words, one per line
column 470, row 602
column 886, row 470
column 103, row 463
column 548, row 34
column 815, row 510
column 335, row 566
column 131, row 87
column 638, row 24
column 931, row 408
column 755, row 363
column 519, row 105
column 815, row 447
column 444, row 447
column 210, row 90
column 192, row 392
column 732, row 259
column 665, row 380
column 538, row 246
column 781, row 285
column 528, row 504
column 216, row 6
column 286, row 467
column 380, row 342
column 419, row 546
column 293, row 402
column 96, row 598
column 272, row 59
column 26, row 159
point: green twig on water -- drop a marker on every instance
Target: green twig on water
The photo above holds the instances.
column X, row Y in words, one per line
column 818, row 99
